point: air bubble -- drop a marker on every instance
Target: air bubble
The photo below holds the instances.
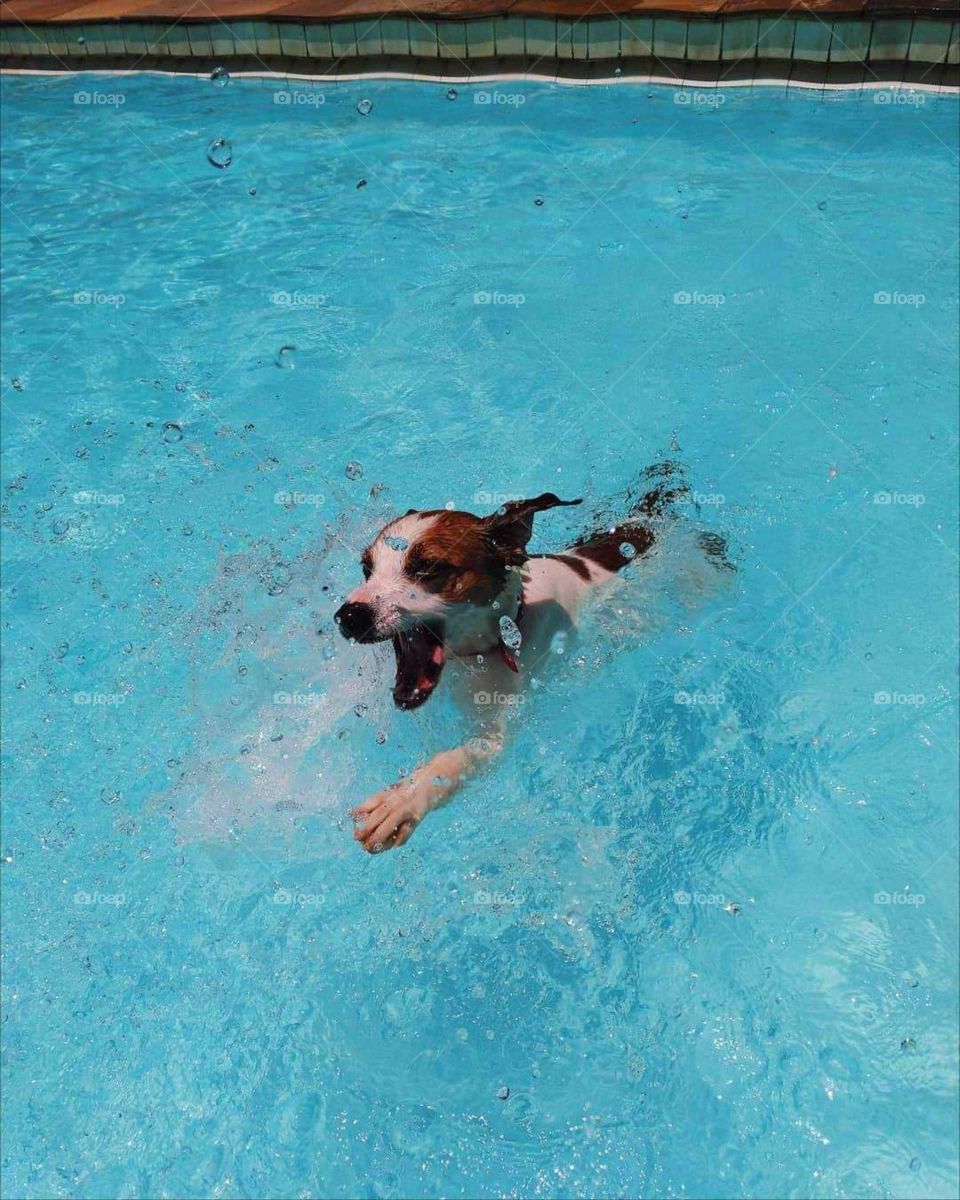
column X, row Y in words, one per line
column 503, row 1093
column 220, row 153
column 539, row 202
column 187, row 530
column 618, row 71
column 361, row 183
column 628, row 550
column 364, row 107
column 252, row 192
column 558, row 643
column 284, row 358
column 219, row 77
column 381, row 737
column 62, row 649
column 354, row 470
column 451, row 93
column 510, row 634
column 60, row 526
column 172, row 432
column 396, row 543
column 109, row 797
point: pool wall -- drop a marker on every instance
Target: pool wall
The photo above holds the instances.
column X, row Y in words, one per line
column 915, row 46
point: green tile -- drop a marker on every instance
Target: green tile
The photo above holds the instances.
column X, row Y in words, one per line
column 175, row 41
column 222, row 41
column 565, row 35
column 703, row 41
column 343, row 39
column 636, row 37
column 452, row 39
column 739, row 38
column 669, row 38
column 293, row 41
column 268, row 37
column 395, row 35
column 113, row 37
column 244, row 36
column 423, row 39
column 22, row 40
column 603, row 38
column 56, row 40
column 851, row 40
column 930, row 41
column 369, row 41
column 316, row 34
column 775, row 38
column 508, row 33
column 540, row 37
column 953, row 54
column 480, row 39
column 812, row 43
column 890, row 41
column 201, row 44
column 93, row 36
column 152, row 37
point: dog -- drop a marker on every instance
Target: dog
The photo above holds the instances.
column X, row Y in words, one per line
column 442, row 585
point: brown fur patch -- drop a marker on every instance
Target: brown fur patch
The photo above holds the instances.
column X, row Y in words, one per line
column 604, row 548
column 576, row 566
column 471, row 569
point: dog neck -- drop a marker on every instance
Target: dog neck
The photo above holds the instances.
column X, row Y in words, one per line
column 479, row 632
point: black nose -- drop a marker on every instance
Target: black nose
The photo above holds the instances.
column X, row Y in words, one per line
column 356, row 621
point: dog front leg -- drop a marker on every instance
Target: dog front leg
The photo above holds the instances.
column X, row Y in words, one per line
column 389, row 818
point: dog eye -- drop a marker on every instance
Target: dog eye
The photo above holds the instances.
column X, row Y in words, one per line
column 432, row 570
column 366, row 565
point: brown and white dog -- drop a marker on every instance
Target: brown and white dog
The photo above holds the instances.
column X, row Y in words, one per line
column 447, row 585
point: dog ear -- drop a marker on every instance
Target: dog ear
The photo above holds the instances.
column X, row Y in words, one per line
column 511, row 526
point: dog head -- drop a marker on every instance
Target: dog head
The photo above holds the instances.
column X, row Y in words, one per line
column 430, row 576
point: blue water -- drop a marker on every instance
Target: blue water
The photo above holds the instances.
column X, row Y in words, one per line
column 701, row 918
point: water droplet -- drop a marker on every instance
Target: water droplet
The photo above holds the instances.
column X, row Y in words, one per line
column 284, row 357
column 81, row 452
column 558, row 643
column 396, row 543
column 60, row 526
column 908, row 1044
column 503, row 1093
column 364, row 107
column 915, row 1164
column 354, row 470
column 279, row 576
column 219, row 77
column 62, row 649
column 510, row 634
column 81, row 40
column 480, row 659
column 187, row 530
column 618, row 71
column 252, row 192
column 628, row 550
column 109, row 797
column 16, row 383
column 220, row 153
column 539, row 202
column 381, row 737
column 732, row 908
column 361, row 183
column 451, row 93
column 172, row 432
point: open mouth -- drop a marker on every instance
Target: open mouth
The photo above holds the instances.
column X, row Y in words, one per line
column 420, row 659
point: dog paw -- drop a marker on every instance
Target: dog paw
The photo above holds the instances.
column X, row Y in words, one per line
column 388, row 819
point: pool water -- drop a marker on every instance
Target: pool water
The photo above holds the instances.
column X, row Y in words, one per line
column 695, row 934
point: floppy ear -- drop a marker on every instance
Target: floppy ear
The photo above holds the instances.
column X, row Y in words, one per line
column 511, row 526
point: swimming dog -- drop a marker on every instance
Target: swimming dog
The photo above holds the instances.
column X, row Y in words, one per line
column 441, row 584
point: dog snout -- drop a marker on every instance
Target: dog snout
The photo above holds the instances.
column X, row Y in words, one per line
column 356, row 621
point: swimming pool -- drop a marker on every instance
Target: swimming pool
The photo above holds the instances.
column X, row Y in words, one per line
column 696, row 933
